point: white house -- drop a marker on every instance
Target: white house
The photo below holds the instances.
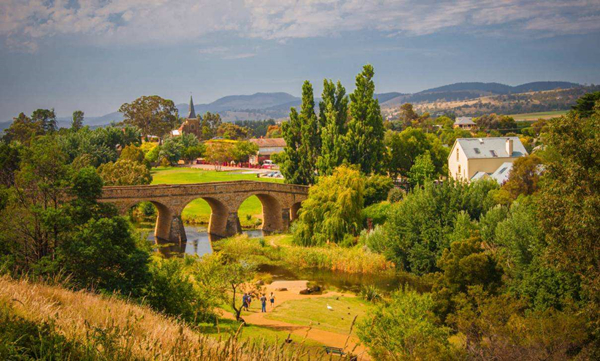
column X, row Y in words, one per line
column 476, row 158
column 464, row 123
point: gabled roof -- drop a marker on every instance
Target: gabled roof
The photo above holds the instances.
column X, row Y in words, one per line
column 464, row 121
column 491, row 147
column 268, row 142
column 479, row 175
column 501, row 174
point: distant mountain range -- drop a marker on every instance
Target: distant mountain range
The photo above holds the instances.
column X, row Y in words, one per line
column 277, row 105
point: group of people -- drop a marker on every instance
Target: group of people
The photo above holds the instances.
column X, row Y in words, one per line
column 247, row 300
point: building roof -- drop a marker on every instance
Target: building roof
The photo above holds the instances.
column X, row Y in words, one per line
column 175, row 132
column 491, row 147
column 464, row 121
column 192, row 113
column 501, row 174
column 268, row 142
column 479, row 175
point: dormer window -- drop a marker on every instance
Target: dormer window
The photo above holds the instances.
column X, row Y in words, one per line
column 477, row 151
column 493, row 153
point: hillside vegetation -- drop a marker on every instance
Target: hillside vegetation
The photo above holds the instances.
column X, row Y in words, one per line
column 50, row 322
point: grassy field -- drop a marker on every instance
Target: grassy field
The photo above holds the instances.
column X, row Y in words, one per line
column 540, row 115
column 198, row 211
column 315, row 311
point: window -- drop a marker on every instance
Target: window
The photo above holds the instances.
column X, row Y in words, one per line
column 458, row 171
column 457, row 154
column 493, row 153
column 477, row 151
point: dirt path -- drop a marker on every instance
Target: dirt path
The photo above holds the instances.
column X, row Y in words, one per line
column 333, row 339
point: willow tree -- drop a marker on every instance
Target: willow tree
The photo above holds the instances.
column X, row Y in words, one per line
column 332, row 121
column 302, row 142
column 364, row 140
column 332, row 211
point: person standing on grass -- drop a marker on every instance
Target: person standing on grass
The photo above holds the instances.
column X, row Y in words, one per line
column 245, row 301
column 272, row 299
column 263, row 302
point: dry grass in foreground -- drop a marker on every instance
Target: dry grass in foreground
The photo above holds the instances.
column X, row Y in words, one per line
column 115, row 329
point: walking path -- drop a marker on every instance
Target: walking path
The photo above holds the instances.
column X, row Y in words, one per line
column 333, row 339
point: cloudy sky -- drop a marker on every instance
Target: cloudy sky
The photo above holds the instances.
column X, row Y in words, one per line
column 95, row 55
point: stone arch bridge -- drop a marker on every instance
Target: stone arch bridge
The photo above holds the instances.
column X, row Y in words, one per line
column 280, row 203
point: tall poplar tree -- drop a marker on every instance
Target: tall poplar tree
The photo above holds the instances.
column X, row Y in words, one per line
column 332, row 121
column 364, row 140
column 302, row 141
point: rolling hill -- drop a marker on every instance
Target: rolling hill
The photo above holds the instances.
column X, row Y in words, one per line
column 277, row 105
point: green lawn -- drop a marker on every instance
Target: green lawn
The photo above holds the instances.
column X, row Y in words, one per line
column 540, row 115
column 305, row 311
column 198, row 211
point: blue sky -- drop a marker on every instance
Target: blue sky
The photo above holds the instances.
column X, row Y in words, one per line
column 95, row 55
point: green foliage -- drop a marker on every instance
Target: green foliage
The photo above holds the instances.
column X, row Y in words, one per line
column 173, row 291
column 375, row 240
column 404, row 328
column 332, row 209
column 132, row 153
column 99, row 146
column 493, row 122
column 364, row 139
column 524, row 176
column 396, row 195
column 422, row 171
column 124, row 172
column 569, row 203
column 23, row 129
column 232, row 131
column 242, row 151
column 420, row 226
column 10, row 157
column 585, row 105
column 152, row 115
column 406, row 146
column 103, row 254
column 332, row 119
column 377, row 188
column 377, row 212
column 302, row 141
column 77, row 122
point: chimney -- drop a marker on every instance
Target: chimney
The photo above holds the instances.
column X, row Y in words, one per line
column 509, row 147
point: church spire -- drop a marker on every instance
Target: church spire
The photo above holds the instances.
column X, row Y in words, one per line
column 192, row 113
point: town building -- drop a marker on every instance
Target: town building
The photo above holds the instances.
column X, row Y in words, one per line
column 266, row 148
column 466, row 123
column 478, row 158
column 191, row 124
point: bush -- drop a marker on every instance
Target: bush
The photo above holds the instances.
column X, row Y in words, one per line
column 396, row 195
column 404, row 329
column 377, row 188
column 377, row 213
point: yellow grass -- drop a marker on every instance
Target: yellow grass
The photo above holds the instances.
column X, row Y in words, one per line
column 135, row 331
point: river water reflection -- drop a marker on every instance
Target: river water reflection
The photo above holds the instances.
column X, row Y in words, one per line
column 198, row 241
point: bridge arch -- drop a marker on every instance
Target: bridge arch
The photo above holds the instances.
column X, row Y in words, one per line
column 272, row 211
column 221, row 222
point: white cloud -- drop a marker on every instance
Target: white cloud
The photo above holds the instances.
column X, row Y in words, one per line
column 25, row 23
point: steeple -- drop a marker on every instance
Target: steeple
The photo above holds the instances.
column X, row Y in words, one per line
column 192, row 113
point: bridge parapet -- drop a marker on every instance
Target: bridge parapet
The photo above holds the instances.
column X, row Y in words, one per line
column 280, row 204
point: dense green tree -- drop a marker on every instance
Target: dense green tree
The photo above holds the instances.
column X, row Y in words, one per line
column 585, row 105
column 10, row 157
column 77, row 122
column 422, row 171
column 404, row 328
column 218, row 152
column 569, row 202
column 524, row 176
column 47, row 119
column 493, row 121
column 364, row 140
column 301, row 136
column 23, row 129
column 241, row 151
column 232, row 131
column 406, row 146
column 420, row 227
column 153, row 115
column 124, row 173
column 332, row 210
column 333, row 118
column 209, row 124
column 132, row 153
column 377, row 188
column 274, row 131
